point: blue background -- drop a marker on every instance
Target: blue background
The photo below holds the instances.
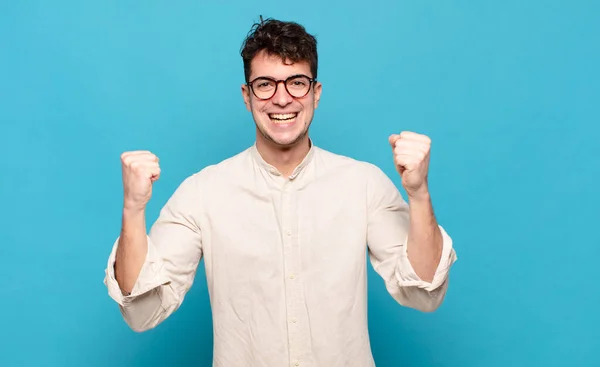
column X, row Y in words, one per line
column 507, row 90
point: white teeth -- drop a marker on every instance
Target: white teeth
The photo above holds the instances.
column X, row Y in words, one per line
column 281, row 116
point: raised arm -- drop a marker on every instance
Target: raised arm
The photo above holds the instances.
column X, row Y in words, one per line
column 139, row 170
column 148, row 275
column 407, row 247
column 411, row 158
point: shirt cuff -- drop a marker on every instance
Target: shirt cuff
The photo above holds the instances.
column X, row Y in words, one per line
column 407, row 277
column 150, row 275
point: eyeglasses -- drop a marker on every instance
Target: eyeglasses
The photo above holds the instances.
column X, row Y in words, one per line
column 296, row 85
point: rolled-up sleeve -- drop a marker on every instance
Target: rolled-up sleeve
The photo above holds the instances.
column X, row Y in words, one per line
column 173, row 254
column 406, row 275
column 387, row 238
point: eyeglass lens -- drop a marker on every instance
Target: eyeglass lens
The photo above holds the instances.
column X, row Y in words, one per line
column 265, row 88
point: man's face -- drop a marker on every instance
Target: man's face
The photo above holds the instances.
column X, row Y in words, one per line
column 281, row 120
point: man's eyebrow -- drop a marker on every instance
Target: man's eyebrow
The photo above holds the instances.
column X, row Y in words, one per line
column 287, row 77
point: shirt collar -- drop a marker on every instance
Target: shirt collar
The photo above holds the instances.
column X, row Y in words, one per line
column 271, row 169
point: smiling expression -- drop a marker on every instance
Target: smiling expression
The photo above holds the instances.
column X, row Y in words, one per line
column 281, row 120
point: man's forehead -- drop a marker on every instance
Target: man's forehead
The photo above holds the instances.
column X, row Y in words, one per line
column 274, row 66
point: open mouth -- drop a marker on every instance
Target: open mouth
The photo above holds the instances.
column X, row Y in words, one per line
column 282, row 118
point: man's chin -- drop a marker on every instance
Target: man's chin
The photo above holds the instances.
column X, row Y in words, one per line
column 283, row 142
column 280, row 140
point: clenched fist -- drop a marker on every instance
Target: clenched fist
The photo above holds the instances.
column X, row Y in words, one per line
column 411, row 157
column 140, row 170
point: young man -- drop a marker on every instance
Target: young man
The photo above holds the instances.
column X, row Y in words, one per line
column 283, row 228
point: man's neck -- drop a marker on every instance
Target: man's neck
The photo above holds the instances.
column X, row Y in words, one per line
column 285, row 160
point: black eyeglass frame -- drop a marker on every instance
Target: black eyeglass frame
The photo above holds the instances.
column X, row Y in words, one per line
column 311, row 82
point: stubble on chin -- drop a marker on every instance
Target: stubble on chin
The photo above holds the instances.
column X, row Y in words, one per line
column 271, row 140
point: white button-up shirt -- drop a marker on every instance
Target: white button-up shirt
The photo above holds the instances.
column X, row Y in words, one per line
column 285, row 259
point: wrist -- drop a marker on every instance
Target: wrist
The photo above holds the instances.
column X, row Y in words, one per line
column 132, row 211
column 419, row 196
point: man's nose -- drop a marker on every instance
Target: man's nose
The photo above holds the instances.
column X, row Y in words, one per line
column 282, row 97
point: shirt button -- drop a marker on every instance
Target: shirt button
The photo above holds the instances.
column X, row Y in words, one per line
column 288, row 232
column 294, row 320
column 292, row 276
column 297, row 363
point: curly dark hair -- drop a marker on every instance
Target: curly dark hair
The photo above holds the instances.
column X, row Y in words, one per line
column 288, row 40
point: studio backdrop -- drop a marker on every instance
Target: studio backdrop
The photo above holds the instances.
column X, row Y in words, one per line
column 508, row 91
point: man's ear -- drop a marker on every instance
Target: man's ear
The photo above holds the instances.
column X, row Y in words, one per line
column 246, row 96
column 318, row 89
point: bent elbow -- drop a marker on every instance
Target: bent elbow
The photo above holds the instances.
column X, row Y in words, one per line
column 434, row 298
column 431, row 306
column 145, row 312
column 420, row 299
column 140, row 328
column 140, row 322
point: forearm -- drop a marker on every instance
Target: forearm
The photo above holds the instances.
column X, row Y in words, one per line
column 131, row 250
column 424, row 248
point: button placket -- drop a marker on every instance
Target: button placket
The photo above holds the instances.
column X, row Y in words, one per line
column 293, row 290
